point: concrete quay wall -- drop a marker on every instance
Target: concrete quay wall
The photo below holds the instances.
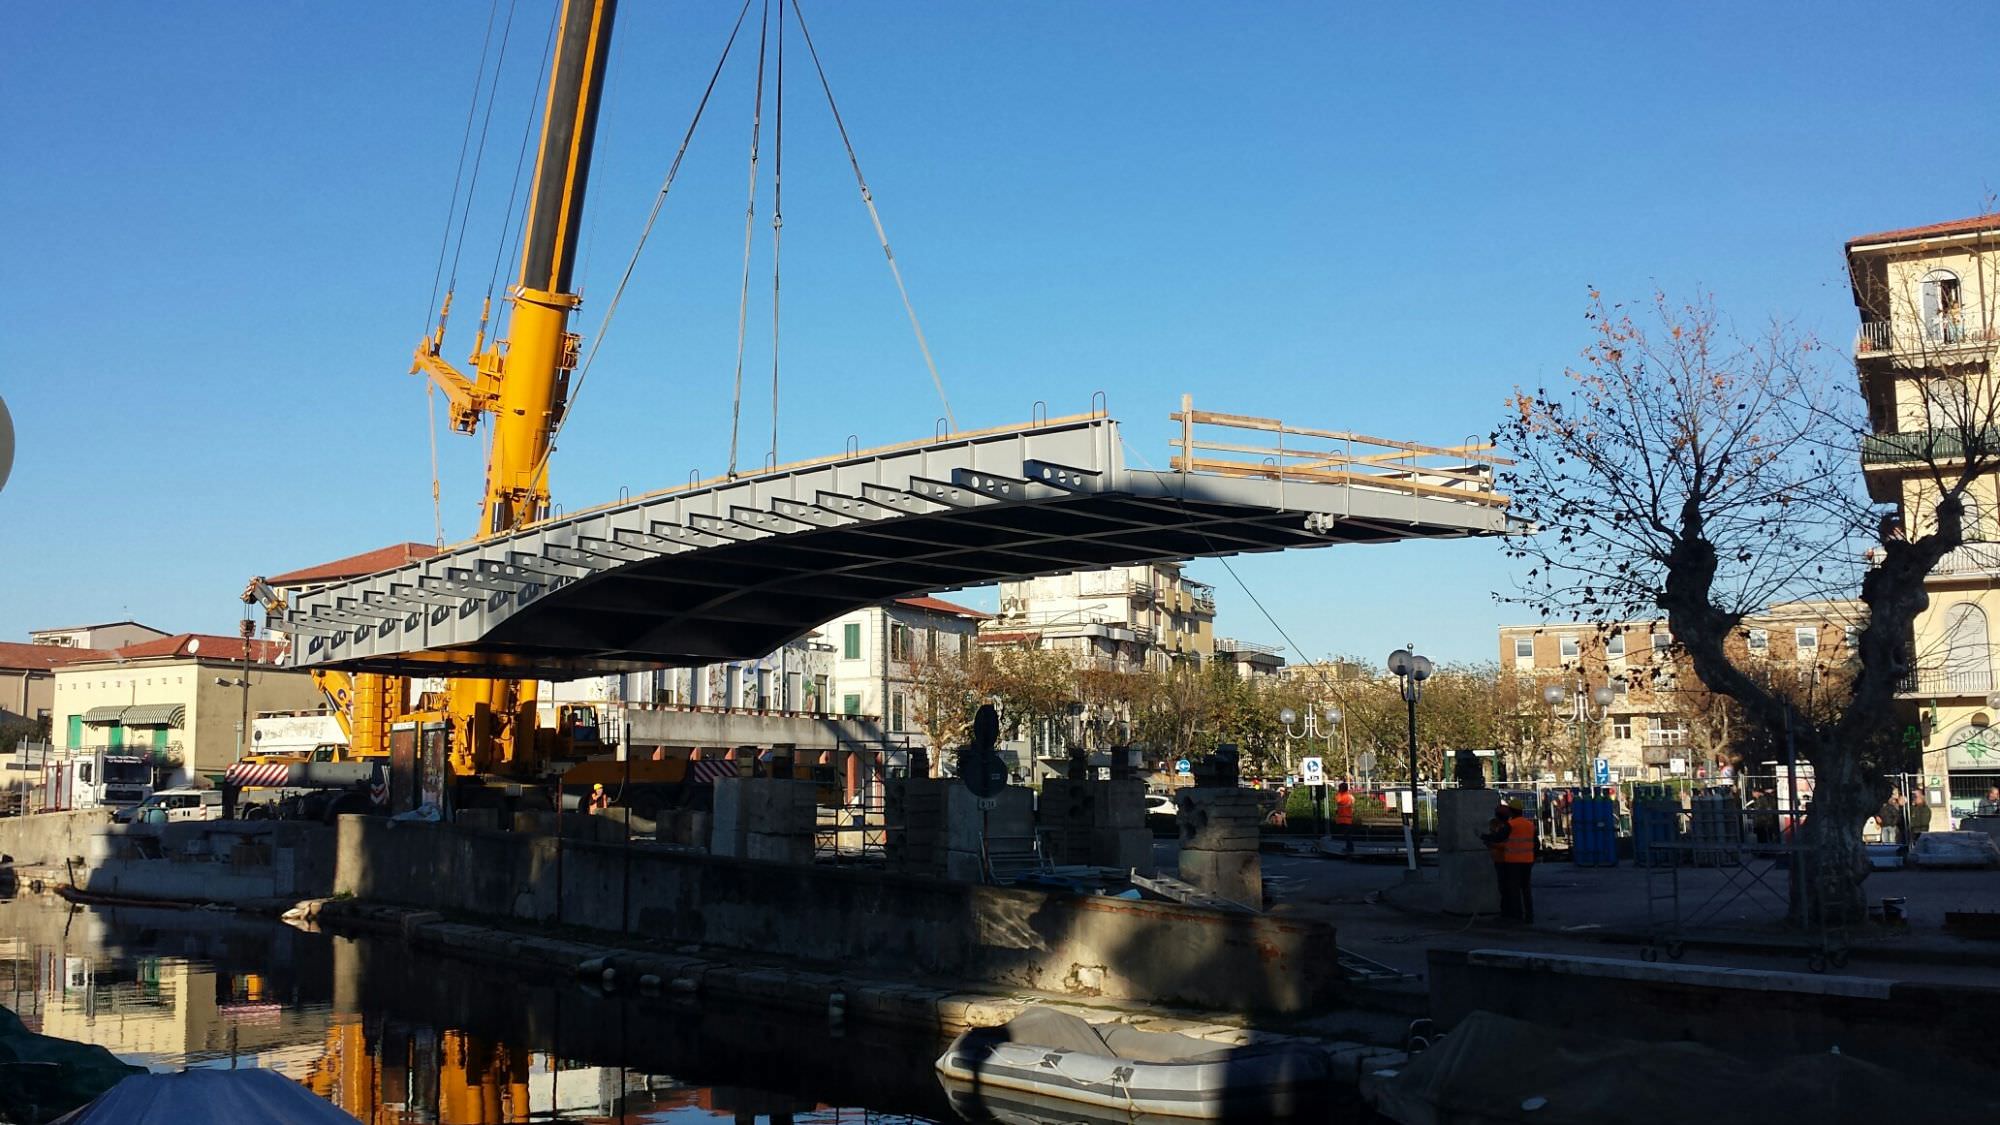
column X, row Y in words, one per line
column 50, row 838
column 1752, row 1012
column 1119, row 949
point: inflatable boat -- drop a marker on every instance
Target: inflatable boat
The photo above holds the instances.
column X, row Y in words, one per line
column 1057, row 1056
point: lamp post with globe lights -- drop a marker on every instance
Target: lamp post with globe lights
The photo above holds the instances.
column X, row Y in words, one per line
column 1311, row 731
column 1573, row 705
column 1412, row 670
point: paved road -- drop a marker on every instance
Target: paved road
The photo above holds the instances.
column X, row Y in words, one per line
column 1383, row 916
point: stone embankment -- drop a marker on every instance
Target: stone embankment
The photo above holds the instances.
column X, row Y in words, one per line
column 719, row 978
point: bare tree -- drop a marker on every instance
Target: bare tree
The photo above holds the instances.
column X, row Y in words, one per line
column 1683, row 468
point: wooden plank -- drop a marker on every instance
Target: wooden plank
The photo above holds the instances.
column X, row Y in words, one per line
column 1272, row 425
column 1322, row 459
column 1389, row 484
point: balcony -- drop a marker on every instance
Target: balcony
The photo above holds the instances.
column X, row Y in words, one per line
column 1882, row 337
column 1669, row 737
column 1967, row 678
column 1923, row 446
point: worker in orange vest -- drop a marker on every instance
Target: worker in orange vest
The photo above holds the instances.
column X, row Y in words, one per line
column 1343, row 815
column 1512, row 843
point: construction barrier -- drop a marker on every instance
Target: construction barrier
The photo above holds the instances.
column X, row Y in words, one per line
column 1595, row 827
column 1656, row 820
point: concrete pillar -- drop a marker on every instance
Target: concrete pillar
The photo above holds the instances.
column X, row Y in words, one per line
column 764, row 818
column 936, row 827
column 1219, row 841
column 1466, row 879
column 1097, row 823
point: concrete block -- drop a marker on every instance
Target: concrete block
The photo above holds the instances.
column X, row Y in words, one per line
column 1235, row 875
column 1463, row 815
column 1467, row 883
column 777, row 849
column 487, row 820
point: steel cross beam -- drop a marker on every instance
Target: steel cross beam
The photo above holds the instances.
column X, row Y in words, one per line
column 733, row 569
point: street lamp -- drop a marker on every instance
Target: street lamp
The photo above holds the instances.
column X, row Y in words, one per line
column 1412, row 670
column 1579, row 714
column 1309, row 732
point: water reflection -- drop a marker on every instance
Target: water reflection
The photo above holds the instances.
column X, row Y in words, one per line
column 395, row 1037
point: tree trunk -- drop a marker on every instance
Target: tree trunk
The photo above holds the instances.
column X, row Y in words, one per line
column 1827, row 887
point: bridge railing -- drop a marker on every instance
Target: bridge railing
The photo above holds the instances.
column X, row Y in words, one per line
column 1245, row 446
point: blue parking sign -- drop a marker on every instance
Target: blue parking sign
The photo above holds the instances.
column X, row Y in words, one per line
column 1602, row 769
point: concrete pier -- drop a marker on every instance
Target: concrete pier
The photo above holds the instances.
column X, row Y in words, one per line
column 937, row 827
column 1099, row 823
column 1465, row 865
column 1219, row 841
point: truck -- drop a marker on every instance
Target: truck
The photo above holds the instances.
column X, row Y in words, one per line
column 91, row 779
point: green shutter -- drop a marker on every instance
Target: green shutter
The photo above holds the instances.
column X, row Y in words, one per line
column 850, row 704
column 159, row 738
column 116, row 734
column 75, row 731
column 853, row 642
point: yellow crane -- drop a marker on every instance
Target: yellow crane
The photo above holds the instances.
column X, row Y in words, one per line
column 520, row 378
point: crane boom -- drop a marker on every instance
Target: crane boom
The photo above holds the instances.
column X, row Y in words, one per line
column 522, row 377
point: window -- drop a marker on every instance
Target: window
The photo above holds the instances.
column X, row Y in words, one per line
column 1571, row 647
column 1619, row 687
column 851, row 641
column 850, row 705
column 822, row 694
column 1621, row 726
column 1942, row 320
column 1807, row 638
column 1524, row 648
column 1760, row 641
column 1662, row 642
column 931, row 643
column 897, row 707
column 1614, row 645
column 1669, row 730
column 899, row 642
column 964, row 646
column 1850, row 637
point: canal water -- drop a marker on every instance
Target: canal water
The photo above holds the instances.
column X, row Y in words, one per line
column 394, row 1036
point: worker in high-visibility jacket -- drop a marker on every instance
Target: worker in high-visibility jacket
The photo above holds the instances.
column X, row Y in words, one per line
column 1512, row 842
column 1343, row 814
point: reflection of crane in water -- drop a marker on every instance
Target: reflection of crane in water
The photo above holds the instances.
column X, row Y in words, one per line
column 408, row 1075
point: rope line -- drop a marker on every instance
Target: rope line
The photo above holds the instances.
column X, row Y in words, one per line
column 632, row 264
column 749, row 229
column 874, row 216
column 510, row 220
column 464, row 143
column 479, row 153
column 777, row 224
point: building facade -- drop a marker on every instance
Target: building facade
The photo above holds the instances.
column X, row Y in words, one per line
column 28, row 685
column 1252, row 660
column 110, row 635
column 1124, row 619
column 878, row 653
column 1661, row 723
column 178, row 700
column 1927, row 299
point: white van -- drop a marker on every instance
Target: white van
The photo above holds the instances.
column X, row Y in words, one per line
column 173, row 805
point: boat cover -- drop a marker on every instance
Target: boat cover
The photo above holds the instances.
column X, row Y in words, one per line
column 1491, row 1069
column 250, row 1096
column 41, row 1075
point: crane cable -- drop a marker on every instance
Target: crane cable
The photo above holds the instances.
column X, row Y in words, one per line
column 458, row 175
column 749, row 229
column 874, row 216
column 513, row 223
column 478, row 157
column 777, row 225
column 631, row 264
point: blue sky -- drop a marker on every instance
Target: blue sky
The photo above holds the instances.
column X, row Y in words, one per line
column 221, row 222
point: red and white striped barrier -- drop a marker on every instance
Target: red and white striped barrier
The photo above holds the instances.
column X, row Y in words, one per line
column 707, row 770
column 257, row 773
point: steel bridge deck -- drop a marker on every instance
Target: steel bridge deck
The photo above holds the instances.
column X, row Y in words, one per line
column 733, row 569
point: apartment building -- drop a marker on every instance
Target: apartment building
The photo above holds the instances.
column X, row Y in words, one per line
column 1661, row 722
column 878, row 652
column 1924, row 353
column 1126, row 619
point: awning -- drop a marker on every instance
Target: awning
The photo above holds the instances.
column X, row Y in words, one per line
column 155, row 715
column 104, row 716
